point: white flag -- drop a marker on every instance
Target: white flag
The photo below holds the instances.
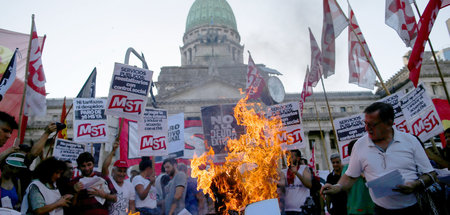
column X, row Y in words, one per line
column 400, row 17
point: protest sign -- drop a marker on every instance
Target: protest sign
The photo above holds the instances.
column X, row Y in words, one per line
column 292, row 134
column 219, row 125
column 193, row 138
column 128, row 93
column 175, row 138
column 89, row 120
column 152, row 130
column 423, row 119
column 67, row 150
column 348, row 129
column 399, row 118
column 129, row 143
column 95, row 150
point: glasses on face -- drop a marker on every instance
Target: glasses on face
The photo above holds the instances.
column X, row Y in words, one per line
column 371, row 125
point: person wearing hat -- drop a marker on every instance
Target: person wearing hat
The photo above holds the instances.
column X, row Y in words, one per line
column 10, row 168
column 125, row 191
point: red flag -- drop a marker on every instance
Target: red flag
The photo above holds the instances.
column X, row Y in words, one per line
column 425, row 25
column 334, row 22
column 307, row 91
column 400, row 17
column 443, row 109
column 361, row 72
column 63, row 133
column 35, row 104
column 255, row 83
column 316, row 62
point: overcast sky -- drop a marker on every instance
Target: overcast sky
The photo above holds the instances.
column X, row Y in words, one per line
column 85, row 34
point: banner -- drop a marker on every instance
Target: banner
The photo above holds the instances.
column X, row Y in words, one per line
column 423, row 119
column 67, row 150
column 89, row 120
column 152, row 130
column 348, row 129
column 399, row 119
column 129, row 145
column 88, row 89
column 292, row 134
column 175, row 138
column 194, row 140
column 219, row 125
column 255, row 83
column 400, row 16
column 128, row 93
column 316, row 62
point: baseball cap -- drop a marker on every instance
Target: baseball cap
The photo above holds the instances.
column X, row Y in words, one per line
column 121, row 163
column 16, row 160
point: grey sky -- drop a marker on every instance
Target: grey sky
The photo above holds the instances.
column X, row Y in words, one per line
column 85, row 34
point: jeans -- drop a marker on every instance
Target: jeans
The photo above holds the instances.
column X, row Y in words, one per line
column 148, row 211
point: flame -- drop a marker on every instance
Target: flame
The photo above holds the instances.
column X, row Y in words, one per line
column 251, row 170
column 136, row 213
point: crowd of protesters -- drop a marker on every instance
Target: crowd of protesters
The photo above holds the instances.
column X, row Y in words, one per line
column 51, row 188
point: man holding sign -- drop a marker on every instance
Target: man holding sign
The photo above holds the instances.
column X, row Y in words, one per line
column 382, row 151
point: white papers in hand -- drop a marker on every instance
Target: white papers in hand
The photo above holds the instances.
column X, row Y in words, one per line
column 383, row 185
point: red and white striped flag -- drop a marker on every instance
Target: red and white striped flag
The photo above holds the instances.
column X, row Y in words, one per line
column 255, row 82
column 316, row 62
column 35, row 103
column 334, row 22
column 359, row 57
column 306, row 91
column 400, row 17
column 426, row 23
column 445, row 3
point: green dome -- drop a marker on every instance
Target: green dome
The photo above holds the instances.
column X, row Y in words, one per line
column 210, row 12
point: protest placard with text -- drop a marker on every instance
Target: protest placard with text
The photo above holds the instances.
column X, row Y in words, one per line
column 89, row 120
column 348, row 129
column 400, row 122
column 152, row 130
column 67, row 150
column 292, row 134
column 128, row 93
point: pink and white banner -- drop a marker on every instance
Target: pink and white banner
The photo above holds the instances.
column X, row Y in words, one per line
column 129, row 90
column 399, row 16
column 292, row 135
column 152, row 130
column 316, row 61
column 89, row 120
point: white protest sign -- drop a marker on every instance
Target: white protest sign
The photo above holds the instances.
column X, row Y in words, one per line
column 67, row 150
column 292, row 134
column 423, row 119
column 400, row 122
column 348, row 129
column 128, row 93
column 152, row 130
column 89, row 120
column 176, row 134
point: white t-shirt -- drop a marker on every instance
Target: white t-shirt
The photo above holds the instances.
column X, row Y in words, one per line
column 296, row 193
column 150, row 200
column 125, row 193
column 404, row 154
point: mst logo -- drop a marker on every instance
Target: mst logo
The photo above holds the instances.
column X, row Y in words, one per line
column 129, row 106
column 91, row 130
column 292, row 137
column 426, row 124
column 154, row 143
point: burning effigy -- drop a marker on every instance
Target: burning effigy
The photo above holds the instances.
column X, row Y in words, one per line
column 251, row 169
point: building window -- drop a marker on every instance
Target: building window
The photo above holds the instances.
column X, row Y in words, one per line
column 361, row 108
column 343, row 109
column 323, row 109
column 311, row 110
column 350, row 109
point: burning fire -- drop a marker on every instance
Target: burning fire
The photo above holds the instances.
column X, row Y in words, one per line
column 251, row 170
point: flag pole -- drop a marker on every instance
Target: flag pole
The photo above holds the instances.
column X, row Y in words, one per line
column 321, row 134
column 365, row 52
column 329, row 113
column 435, row 59
column 19, row 132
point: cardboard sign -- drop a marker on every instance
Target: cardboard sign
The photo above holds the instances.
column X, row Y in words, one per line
column 348, row 129
column 399, row 118
column 219, row 125
column 175, row 138
column 423, row 119
column 292, row 134
column 152, row 130
column 89, row 120
column 67, row 150
column 128, row 93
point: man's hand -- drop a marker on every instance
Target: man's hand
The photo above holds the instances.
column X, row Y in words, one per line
column 50, row 128
column 407, row 188
column 328, row 189
column 78, row 186
column 97, row 192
